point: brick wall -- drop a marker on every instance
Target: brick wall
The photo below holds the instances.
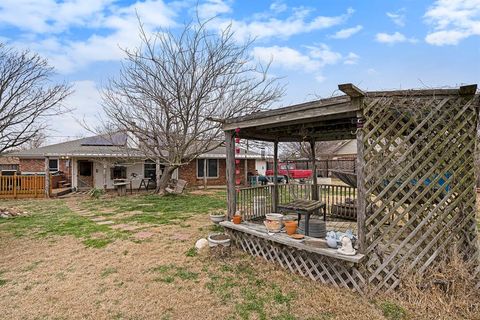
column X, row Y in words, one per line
column 32, row 165
column 189, row 173
column 38, row 166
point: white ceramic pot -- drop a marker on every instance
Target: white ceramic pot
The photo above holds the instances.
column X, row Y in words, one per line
column 218, row 239
column 217, row 218
column 274, row 216
column 273, row 222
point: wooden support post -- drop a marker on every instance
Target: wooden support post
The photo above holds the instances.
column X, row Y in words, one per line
column 314, row 171
column 275, row 176
column 356, row 95
column 47, row 177
column 361, row 192
column 246, row 166
column 230, row 173
column 104, row 174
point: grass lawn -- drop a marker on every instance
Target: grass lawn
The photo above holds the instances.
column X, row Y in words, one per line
column 59, row 264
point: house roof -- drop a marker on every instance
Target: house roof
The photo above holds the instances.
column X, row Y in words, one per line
column 113, row 146
column 330, row 147
column 96, row 146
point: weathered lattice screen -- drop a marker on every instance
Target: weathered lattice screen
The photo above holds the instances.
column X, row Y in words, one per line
column 419, row 182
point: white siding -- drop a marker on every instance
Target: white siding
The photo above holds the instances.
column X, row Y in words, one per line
column 261, row 166
column 132, row 168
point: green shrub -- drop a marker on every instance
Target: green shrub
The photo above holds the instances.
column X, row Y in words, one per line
column 96, row 192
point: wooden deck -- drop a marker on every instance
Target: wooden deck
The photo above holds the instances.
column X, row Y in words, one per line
column 261, row 232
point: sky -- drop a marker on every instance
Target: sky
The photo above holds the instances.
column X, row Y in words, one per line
column 313, row 45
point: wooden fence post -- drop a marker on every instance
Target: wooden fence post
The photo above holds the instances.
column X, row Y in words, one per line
column 35, row 184
column 314, row 171
column 47, row 177
column 15, row 185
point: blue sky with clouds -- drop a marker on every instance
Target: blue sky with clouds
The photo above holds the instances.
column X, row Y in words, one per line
column 315, row 45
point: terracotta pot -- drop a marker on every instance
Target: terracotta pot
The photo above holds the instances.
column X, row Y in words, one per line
column 291, row 227
column 237, row 219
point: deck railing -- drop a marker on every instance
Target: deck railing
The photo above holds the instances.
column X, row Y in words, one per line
column 255, row 202
column 22, row 186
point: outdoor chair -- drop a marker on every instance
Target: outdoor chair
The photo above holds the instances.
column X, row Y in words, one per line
column 178, row 188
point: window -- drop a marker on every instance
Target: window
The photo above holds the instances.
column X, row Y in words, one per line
column 212, row 168
column 118, row 172
column 85, row 168
column 150, row 169
column 53, row 165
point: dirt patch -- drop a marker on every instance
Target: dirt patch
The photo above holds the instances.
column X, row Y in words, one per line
column 61, row 278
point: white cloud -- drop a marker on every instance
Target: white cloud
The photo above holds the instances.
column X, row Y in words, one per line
column 347, row 33
column 70, row 55
column 453, row 21
column 51, row 16
column 212, row 8
column 278, row 7
column 351, row 58
column 393, row 38
column 268, row 27
column 397, row 17
column 311, row 62
column 286, row 57
column 86, row 102
column 324, row 54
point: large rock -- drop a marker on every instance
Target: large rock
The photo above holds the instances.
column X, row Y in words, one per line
column 201, row 244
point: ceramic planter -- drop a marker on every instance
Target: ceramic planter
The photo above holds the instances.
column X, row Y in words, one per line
column 218, row 239
column 237, row 219
column 217, row 218
column 291, row 227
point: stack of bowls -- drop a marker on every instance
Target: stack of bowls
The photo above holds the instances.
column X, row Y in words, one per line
column 317, row 228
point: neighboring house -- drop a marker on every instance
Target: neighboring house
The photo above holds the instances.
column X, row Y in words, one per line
column 97, row 161
column 335, row 150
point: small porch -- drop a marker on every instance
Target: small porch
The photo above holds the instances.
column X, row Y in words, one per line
column 410, row 199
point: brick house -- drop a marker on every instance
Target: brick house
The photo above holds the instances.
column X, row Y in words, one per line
column 97, row 161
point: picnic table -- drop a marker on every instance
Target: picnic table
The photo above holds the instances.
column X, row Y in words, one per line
column 306, row 207
column 121, row 186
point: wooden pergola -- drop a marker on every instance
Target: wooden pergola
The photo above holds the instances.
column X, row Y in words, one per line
column 416, row 198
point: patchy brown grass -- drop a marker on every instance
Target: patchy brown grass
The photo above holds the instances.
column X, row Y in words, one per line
column 160, row 278
column 448, row 292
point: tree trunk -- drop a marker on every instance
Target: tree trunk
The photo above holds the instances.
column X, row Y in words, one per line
column 164, row 179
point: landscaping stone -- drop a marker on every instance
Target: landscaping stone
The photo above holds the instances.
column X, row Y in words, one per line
column 8, row 213
column 105, row 222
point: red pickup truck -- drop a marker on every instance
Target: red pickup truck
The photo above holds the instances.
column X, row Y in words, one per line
column 290, row 170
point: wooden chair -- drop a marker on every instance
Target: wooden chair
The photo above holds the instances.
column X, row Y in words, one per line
column 178, row 188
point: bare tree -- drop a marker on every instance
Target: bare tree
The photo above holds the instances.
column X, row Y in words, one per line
column 27, row 97
column 173, row 85
column 35, row 142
